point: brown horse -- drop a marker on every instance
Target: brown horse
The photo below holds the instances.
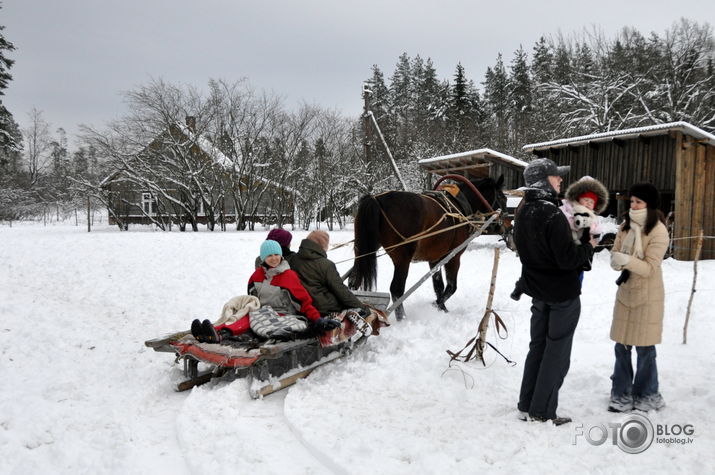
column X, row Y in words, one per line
column 390, row 218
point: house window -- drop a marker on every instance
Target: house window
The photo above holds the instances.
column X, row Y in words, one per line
column 147, row 203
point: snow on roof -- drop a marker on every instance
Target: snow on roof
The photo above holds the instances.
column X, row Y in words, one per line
column 483, row 153
column 658, row 129
column 206, row 145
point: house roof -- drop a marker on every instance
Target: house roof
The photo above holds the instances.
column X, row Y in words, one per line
column 650, row 130
column 206, row 145
column 467, row 160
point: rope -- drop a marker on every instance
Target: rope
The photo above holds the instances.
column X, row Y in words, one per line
column 464, row 220
column 416, row 237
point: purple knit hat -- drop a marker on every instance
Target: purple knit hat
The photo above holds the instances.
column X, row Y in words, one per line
column 281, row 236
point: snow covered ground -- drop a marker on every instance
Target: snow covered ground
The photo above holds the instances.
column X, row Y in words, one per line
column 81, row 394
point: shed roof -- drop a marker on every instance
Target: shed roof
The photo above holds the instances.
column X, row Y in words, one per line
column 469, row 160
column 650, row 130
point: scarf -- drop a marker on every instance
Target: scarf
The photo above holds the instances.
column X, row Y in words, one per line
column 633, row 242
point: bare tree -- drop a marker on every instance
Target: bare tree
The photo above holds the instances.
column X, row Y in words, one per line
column 37, row 144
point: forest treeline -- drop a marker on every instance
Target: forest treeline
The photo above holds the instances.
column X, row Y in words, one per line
column 560, row 86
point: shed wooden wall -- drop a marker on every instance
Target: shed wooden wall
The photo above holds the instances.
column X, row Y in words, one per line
column 512, row 178
column 694, row 197
column 620, row 163
column 680, row 166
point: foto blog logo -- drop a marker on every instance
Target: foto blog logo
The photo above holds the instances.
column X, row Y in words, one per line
column 633, row 436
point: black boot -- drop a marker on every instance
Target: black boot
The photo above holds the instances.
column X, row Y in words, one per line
column 209, row 332
column 196, row 329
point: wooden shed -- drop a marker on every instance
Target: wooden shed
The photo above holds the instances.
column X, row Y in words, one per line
column 678, row 158
column 476, row 164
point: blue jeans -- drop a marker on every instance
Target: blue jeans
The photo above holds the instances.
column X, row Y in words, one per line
column 645, row 382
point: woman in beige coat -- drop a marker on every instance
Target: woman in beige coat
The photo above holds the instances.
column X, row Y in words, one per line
column 638, row 251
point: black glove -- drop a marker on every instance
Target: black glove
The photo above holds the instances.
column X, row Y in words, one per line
column 585, row 237
column 625, row 274
column 323, row 324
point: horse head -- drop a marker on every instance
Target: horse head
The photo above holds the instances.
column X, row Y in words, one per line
column 490, row 189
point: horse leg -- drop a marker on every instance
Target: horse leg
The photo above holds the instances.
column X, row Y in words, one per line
column 437, row 281
column 451, row 269
column 401, row 260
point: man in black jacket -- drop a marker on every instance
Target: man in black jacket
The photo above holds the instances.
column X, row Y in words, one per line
column 551, row 264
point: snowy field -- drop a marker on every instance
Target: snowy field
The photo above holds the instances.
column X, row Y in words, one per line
column 81, row 394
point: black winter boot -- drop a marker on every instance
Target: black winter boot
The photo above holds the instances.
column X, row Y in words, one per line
column 196, row 329
column 209, row 332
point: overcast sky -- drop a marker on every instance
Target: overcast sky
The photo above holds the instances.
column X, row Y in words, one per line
column 75, row 57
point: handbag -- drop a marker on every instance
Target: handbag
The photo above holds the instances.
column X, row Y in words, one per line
column 267, row 323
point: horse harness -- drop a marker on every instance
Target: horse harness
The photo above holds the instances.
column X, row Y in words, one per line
column 450, row 210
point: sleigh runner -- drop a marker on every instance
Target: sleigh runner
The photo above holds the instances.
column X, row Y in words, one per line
column 271, row 365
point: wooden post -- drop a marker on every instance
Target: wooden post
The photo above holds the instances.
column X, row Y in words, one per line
column 367, row 126
column 692, row 291
column 439, row 265
column 89, row 215
column 683, row 193
column 484, row 324
column 387, row 150
column 622, row 205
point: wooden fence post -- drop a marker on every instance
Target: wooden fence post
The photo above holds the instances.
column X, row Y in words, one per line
column 692, row 291
column 484, row 324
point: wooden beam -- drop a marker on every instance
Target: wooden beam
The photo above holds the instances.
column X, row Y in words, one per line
column 465, row 167
column 698, row 199
column 683, row 196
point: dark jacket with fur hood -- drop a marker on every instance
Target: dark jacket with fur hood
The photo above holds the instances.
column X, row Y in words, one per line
column 584, row 184
column 550, row 261
column 320, row 277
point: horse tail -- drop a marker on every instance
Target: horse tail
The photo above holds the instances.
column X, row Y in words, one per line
column 367, row 242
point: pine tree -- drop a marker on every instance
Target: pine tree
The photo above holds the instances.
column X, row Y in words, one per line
column 10, row 136
column 430, row 108
column 562, row 63
column 459, row 108
column 520, row 99
column 496, row 94
column 402, row 105
column 541, row 65
column 5, row 62
column 542, row 74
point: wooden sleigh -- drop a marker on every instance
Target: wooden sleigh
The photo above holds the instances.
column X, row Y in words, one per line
column 270, row 365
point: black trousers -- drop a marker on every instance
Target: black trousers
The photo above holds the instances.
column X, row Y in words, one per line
column 552, row 327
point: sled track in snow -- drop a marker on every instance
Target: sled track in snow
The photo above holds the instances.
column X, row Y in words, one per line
column 312, row 449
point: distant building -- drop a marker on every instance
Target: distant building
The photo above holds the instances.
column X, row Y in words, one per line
column 156, row 198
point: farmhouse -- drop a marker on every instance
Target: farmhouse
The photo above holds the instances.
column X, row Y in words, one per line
column 182, row 178
column 678, row 158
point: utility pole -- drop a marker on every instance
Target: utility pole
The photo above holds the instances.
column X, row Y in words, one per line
column 367, row 125
column 369, row 122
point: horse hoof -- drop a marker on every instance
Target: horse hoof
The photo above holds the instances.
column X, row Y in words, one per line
column 440, row 307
